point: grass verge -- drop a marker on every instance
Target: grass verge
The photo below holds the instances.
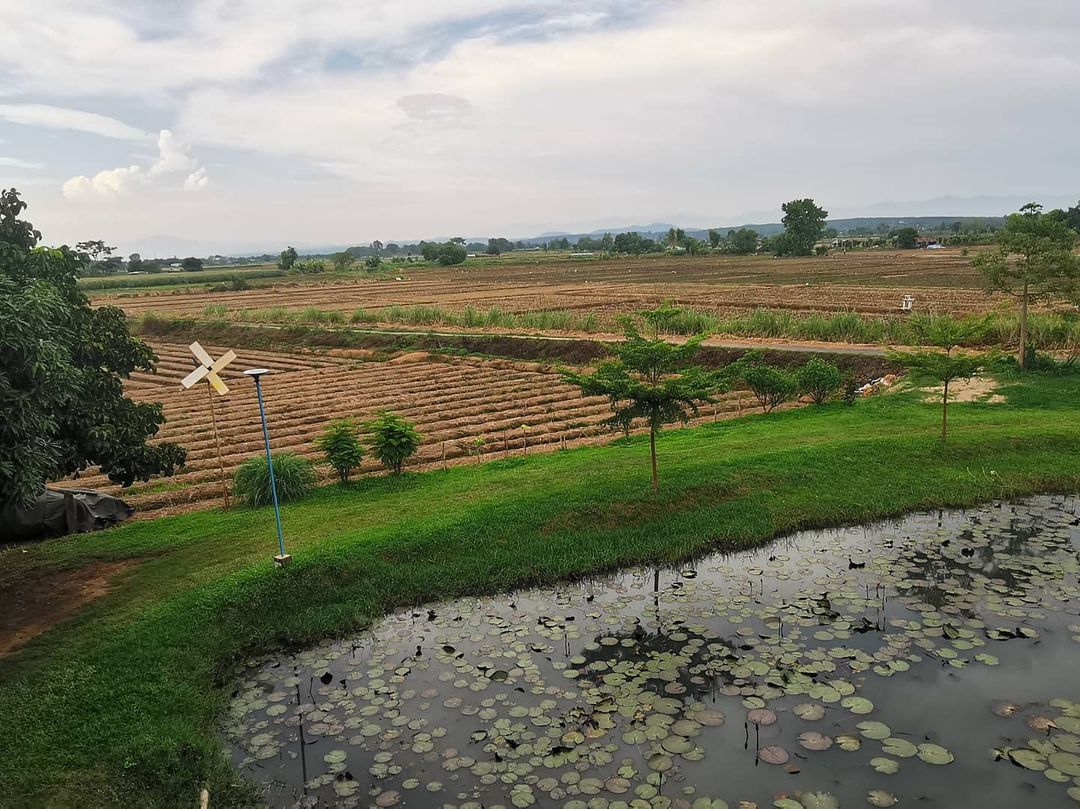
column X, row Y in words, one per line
column 118, row 706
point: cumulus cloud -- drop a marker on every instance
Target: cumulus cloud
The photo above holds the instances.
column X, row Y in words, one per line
column 173, row 159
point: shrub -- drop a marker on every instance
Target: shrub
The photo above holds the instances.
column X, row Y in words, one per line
column 372, row 262
column 340, row 443
column 294, row 477
column 311, row 266
column 819, row 379
column 851, row 390
column 394, row 440
column 771, row 386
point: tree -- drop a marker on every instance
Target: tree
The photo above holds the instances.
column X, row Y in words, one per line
column 714, row 238
column 945, row 364
column 742, row 242
column 804, row 224
column 451, row 253
column 819, row 379
column 393, row 440
column 288, row 258
column 377, row 246
column 633, row 243
column 1034, row 261
column 675, row 237
column 770, row 386
column 372, row 263
column 61, row 368
column 340, row 443
column 135, row 263
column 498, row 246
column 906, row 238
column 192, row 264
column 343, row 260
column 652, row 380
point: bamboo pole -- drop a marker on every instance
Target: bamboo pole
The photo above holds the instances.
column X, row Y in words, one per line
column 217, row 446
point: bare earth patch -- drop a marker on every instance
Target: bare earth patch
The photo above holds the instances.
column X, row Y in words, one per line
column 33, row 607
column 976, row 389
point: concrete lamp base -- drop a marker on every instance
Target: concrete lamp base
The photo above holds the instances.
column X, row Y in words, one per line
column 282, row 559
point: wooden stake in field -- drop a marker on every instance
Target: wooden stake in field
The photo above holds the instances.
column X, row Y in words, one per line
column 208, row 368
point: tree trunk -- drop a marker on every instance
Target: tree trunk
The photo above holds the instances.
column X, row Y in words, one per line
column 652, row 451
column 1022, row 359
column 945, row 412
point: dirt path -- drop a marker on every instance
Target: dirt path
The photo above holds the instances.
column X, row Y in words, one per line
column 34, row 606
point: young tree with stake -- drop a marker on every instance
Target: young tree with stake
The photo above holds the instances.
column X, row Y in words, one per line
column 1034, row 261
column 944, row 365
column 651, row 380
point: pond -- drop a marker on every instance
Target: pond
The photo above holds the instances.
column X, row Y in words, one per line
column 932, row 661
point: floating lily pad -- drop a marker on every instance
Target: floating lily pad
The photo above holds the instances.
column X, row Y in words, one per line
column 812, row 740
column 935, row 754
column 761, row 716
column 774, row 754
column 884, row 765
column 881, row 798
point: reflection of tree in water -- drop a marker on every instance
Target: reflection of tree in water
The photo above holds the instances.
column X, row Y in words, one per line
column 981, row 546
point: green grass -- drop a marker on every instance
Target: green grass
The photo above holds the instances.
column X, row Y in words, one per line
column 1048, row 331
column 118, row 706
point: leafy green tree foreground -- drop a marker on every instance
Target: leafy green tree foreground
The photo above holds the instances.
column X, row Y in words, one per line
column 61, row 368
column 651, row 380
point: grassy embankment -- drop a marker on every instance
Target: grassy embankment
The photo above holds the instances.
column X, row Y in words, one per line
column 1048, row 331
column 117, row 707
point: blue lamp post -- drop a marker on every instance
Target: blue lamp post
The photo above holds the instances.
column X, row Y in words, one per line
column 282, row 558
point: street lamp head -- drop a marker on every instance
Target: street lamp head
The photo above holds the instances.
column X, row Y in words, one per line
column 256, row 372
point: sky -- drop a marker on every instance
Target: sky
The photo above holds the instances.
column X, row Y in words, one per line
column 199, row 126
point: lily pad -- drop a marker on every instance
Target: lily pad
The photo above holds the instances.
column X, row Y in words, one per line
column 935, row 754
column 774, row 754
column 881, row 798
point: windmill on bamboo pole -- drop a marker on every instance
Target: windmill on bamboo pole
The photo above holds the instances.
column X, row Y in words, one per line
column 206, row 367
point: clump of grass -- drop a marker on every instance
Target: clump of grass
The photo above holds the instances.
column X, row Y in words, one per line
column 294, row 477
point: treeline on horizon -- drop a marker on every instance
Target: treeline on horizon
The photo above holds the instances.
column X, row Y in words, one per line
column 816, row 234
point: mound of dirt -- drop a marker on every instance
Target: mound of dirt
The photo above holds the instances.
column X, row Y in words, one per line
column 411, row 357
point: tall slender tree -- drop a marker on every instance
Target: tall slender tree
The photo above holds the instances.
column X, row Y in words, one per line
column 1034, row 261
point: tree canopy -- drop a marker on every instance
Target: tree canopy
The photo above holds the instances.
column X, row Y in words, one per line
column 61, row 367
column 650, row 380
column 1034, row 261
column 288, row 258
column 804, row 224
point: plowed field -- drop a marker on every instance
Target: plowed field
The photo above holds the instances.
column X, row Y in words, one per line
column 464, row 408
column 871, row 283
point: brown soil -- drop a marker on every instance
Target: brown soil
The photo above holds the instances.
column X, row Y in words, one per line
column 34, row 606
column 976, row 389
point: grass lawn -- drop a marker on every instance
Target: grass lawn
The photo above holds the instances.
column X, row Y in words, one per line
column 118, row 705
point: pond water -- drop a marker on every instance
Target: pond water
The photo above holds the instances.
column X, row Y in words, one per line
column 932, row 661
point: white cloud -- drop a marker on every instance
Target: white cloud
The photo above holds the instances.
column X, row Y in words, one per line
column 173, row 158
column 516, row 116
column 16, row 163
column 50, row 117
